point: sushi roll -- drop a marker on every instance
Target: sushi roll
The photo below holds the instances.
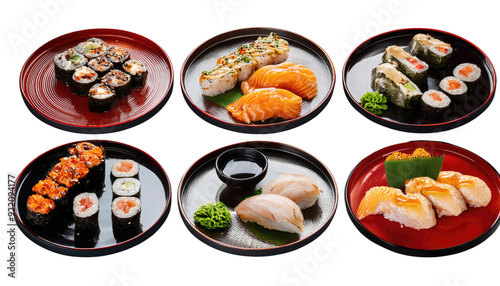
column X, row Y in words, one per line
column 118, row 56
column 412, row 67
column 86, row 211
column 120, row 81
column 434, row 103
column 66, row 63
column 52, row 190
column 126, row 212
column 244, row 65
column 102, row 98
column 262, row 54
column 92, row 48
column 396, row 86
column 468, row 73
column 434, row 52
column 101, row 65
column 40, row 210
column 218, row 80
column 137, row 70
column 454, row 88
column 70, row 172
column 93, row 157
column 125, row 169
column 82, row 80
column 278, row 45
column 126, row 187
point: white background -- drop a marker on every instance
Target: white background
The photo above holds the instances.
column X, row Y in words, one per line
column 340, row 137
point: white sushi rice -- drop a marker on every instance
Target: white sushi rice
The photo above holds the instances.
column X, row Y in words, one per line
column 436, row 99
column 472, row 77
column 444, row 85
column 101, row 91
column 84, row 75
column 126, row 187
column 132, row 211
column 64, row 60
column 119, row 174
column 218, row 81
column 83, row 211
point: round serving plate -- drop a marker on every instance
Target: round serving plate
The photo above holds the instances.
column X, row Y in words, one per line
column 302, row 51
column 59, row 235
column 357, row 81
column 200, row 185
column 451, row 234
column 54, row 103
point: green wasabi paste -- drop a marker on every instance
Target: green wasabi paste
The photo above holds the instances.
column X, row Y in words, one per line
column 213, row 216
column 374, row 102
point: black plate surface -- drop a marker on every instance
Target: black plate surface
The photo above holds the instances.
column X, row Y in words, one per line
column 59, row 235
column 357, row 81
column 302, row 51
column 201, row 185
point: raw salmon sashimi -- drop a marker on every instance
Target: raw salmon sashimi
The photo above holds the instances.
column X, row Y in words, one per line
column 290, row 76
column 410, row 210
column 266, row 103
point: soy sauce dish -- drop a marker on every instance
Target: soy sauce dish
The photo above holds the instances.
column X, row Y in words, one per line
column 241, row 167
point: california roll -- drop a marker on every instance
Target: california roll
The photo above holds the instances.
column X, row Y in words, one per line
column 66, row 63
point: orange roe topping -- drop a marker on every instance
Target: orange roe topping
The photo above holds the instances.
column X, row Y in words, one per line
column 39, row 204
column 125, row 205
column 49, row 188
column 418, row 153
column 68, row 171
column 466, row 71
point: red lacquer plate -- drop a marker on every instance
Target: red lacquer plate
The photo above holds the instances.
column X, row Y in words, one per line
column 451, row 234
column 55, row 104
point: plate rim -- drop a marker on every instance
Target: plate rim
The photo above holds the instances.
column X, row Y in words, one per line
column 249, row 128
column 411, row 127
column 266, row 251
column 407, row 250
column 99, row 251
column 101, row 128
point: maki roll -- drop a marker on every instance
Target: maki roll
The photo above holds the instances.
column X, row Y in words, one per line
column 102, row 98
column 434, row 52
column 264, row 55
column 94, row 158
column 86, row 211
column 125, row 169
column 118, row 56
column 412, row 67
column 70, row 172
column 126, row 187
column 244, row 65
column 398, row 88
column 83, row 78
column 218, row 80
column 278, row 45
column 137, row 70
column 52, row 190
column 126, row 213
column 92, row 48
column 468, row 73
column 66, row 63
column 40, row 210
column 101, row 65
column 434, row 103
column 454, row 88
column 120, row 81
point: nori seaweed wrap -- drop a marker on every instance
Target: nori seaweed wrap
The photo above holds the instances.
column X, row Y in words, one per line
column 120, row 81
column 435, row 53
column 138, row 71
column 40, row 210
column 82, row 80
column 66, row 63
column 411, row 66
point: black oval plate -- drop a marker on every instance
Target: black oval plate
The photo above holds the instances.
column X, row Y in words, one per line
column 200, row 185
column 357, row 80
column 59, row 236
column 302, row 51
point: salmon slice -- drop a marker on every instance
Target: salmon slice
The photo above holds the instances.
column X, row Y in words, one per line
column 266, row 103
column 290, row 76
column 411, row 210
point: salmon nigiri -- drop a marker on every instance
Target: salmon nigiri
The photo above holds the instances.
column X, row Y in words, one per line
column 412, row 210
column 266, row 103
column 475, row 191
column 290, row 76
column 446, row 199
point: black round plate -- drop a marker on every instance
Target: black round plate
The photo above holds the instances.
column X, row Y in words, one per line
column 302, row 51
column 59, row 235
column 201, row 185
column 357, row 81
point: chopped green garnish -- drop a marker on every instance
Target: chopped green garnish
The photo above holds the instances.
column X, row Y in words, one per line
column 213, row 216
column 409, row 86
column 374, row 102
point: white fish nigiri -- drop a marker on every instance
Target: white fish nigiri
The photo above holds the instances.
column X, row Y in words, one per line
column 272, row 211
column 475, row 191
column 300, row 188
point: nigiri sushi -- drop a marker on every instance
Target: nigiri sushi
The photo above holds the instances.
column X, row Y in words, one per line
column 412, row 210
column 218, row 80
column 300, row 188
column 244, row 65
column 446, row 199
column 272, row 212
column 278, row 45
column 474, row 190
column 266, row 103
column 290, row 76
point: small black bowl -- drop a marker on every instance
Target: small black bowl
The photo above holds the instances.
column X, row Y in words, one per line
column 241, row 167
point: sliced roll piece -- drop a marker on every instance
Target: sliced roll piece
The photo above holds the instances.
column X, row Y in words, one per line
column 86, row 211
column 433, row 51
column 218, row 80
column 414, row 68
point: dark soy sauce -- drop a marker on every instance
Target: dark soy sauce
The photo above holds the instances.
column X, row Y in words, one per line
column 241, row 168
